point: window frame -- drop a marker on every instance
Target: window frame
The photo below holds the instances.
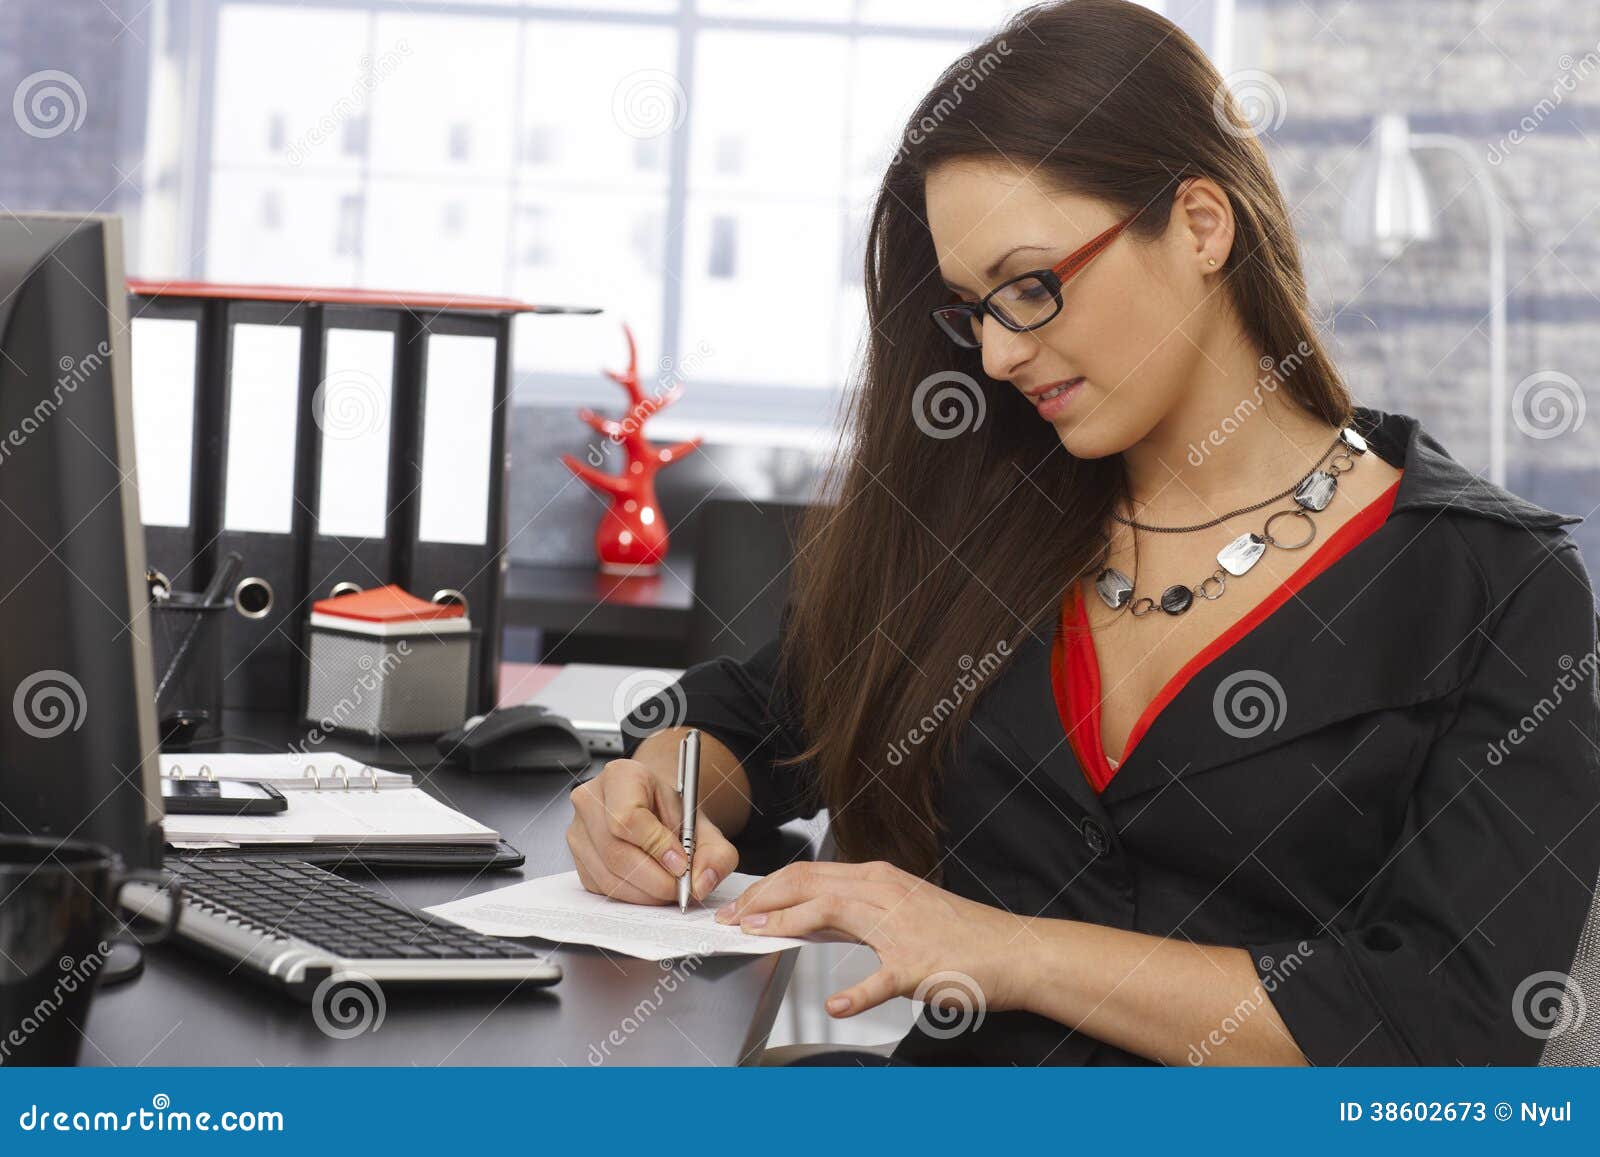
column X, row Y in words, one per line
column 725, row 403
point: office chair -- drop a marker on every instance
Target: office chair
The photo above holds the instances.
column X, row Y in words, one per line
column 743, row 551
column 1579, row 1042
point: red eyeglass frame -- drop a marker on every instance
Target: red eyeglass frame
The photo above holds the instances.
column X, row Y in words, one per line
column 952, row 318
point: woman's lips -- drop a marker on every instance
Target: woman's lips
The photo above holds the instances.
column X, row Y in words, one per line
column 1055, row 401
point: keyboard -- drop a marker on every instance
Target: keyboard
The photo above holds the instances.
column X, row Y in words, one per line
column 295, row 925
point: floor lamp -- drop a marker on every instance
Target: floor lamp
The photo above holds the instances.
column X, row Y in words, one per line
column 1390, row 207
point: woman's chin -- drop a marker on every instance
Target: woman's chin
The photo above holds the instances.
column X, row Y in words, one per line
column 1083, row 441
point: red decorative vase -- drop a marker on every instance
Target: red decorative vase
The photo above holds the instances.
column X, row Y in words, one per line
column 632, row 536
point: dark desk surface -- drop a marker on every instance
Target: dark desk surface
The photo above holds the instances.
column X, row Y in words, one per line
column 186, row 1010
column 583, row 598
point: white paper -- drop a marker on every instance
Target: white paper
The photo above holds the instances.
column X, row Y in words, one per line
column 163, row 416
column 561, row 909
column 357, row 397
column 263, row 400
column 457, row 428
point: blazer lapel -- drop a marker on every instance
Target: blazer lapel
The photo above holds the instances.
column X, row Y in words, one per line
column 1355, row 639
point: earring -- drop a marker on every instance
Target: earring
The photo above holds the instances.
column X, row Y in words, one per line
column 1211, row 261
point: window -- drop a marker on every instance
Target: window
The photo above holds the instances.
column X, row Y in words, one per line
column 622, row 154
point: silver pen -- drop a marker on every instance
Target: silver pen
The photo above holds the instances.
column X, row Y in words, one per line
column 689, row 797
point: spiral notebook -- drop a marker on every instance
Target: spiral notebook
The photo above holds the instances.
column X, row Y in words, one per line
column 339, row 811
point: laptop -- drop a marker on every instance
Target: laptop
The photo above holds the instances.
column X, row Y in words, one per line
column 596, row 697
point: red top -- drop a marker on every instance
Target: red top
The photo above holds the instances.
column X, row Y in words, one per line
column 1075, row 668
column 388, row 604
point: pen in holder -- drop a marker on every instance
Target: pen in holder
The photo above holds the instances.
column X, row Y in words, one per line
column 186, row 645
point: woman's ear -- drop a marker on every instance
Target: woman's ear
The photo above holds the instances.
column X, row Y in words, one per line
column 1204, row 217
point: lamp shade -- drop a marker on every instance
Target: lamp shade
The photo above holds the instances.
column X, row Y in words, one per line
column 1389, row 206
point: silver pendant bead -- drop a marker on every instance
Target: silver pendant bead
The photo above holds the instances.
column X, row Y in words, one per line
column 1316, row 491
column 1176, row 599
column 1242, row 553
column 1355, row 441
column 1114, row 588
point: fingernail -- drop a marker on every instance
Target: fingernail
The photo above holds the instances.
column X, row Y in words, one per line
column 755, row 921
column 725, row 913
column 708, row 881
column 675, row 862
column 838, row 1003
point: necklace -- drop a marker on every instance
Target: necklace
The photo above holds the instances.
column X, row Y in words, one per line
column 1311, row 493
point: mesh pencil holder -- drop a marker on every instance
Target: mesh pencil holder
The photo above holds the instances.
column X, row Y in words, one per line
column 186, row 649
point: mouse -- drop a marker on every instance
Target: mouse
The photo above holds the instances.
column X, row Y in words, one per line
column 525, row 738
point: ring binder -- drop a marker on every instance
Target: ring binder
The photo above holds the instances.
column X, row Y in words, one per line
column 448, row 597
column 286, row 772
column 253, row 597
column 315, row 776
column 205, row 772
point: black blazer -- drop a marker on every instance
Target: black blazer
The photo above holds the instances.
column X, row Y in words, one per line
column 1409, row 834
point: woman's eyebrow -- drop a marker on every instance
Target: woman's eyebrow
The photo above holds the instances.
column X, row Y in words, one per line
column 994, row 267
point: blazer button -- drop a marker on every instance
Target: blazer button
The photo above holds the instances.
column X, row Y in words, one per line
column 1095, row 836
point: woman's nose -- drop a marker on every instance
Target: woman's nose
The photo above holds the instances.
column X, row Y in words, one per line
column 1004, row 352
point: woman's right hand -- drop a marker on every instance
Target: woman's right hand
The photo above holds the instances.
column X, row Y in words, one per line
column 624, row 837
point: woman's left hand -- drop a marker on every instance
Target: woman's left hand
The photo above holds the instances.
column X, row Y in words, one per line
column 919, row 931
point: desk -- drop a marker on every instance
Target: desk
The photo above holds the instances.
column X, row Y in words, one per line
column 186, row 1010
column 588, row 614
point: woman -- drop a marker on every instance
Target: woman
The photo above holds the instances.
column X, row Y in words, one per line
column 1185, row 714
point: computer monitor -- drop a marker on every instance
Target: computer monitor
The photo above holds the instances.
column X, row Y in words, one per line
column 78, row 743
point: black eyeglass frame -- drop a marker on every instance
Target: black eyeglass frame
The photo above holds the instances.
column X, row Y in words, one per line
column 960, row 319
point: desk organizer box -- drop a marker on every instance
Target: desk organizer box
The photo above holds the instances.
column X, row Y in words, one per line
column 384, row 662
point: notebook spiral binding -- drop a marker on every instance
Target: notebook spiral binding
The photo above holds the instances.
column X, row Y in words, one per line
column 311, row 773
column 205, row 772
column 343, row 775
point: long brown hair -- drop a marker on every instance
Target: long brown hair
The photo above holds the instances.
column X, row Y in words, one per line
column 912, row 583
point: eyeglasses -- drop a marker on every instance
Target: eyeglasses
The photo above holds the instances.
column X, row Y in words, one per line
column 1026, row 301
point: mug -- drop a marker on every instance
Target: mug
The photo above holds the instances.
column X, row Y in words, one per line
column 58, row 915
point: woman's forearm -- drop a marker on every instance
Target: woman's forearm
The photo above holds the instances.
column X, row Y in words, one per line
column 724, row 787
column 1166, row 999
